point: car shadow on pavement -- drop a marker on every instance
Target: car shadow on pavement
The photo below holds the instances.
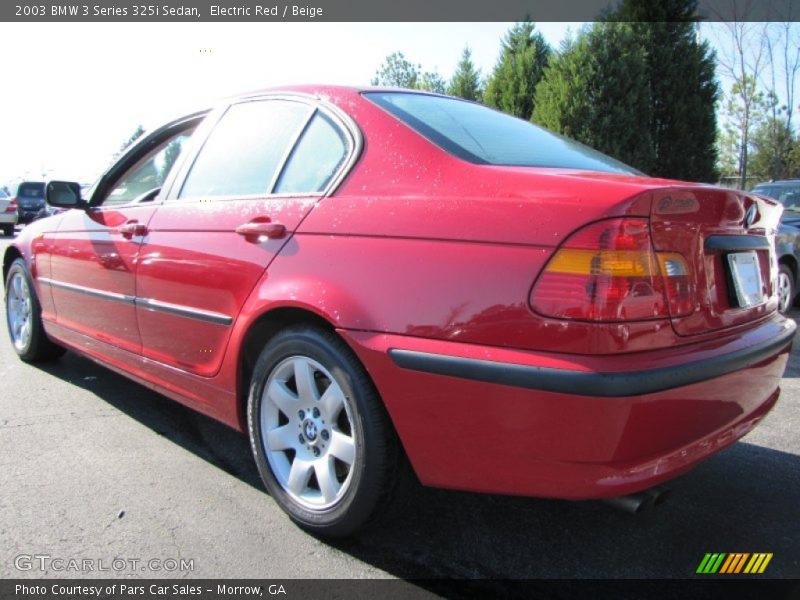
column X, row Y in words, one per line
column 744, row 500
column 212, row 441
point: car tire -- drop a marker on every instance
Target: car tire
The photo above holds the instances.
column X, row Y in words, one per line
column 322, row 440
column 786, row 288
column 24, row 317
column 8, row 230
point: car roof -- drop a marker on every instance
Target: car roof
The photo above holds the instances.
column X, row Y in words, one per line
column 329, row 90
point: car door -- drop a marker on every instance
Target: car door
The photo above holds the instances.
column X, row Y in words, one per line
column 225, row 218
column 94, row 252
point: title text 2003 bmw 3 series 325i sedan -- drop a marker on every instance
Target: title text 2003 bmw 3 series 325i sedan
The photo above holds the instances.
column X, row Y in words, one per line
column 349, row 275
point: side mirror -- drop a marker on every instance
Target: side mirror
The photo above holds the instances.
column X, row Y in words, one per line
column 64, row 194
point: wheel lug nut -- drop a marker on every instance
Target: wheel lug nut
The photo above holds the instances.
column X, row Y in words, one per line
column 301, row 438
column 315, row 412
column 316, row 451
column 325, row 435
column 301, row 414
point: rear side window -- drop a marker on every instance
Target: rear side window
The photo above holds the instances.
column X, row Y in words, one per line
column 245, row 149
column 317, row 157
column 481, row 135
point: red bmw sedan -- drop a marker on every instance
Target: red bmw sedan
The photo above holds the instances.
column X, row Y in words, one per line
column 351, row 275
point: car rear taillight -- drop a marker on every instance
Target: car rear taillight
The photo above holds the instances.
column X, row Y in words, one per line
column 12, row 205
column 608, row 271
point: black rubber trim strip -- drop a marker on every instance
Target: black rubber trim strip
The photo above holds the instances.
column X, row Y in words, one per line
column 606, row 385
column 733, row 243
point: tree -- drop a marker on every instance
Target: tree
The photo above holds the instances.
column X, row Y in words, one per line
column 745, row 111
column 138, row 132
column 680, row 74
column 171, row 154
column 523, row 57
column 466, row 81
column 431, row 81
column 780, row 39
column 396, row 71
column 596, row 91
column 742, row 62
column 764, row 163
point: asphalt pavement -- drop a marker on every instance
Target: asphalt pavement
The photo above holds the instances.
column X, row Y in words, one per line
column 94, row 467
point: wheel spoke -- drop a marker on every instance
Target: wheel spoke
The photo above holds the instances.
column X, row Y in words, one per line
column 281, row 438
column 332, row 401
column 326, row 478
column 299, row 474
column 304, row 380
column 281, row 397
column 342, row 447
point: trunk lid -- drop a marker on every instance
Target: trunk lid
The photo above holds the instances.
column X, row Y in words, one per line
column 727, row 240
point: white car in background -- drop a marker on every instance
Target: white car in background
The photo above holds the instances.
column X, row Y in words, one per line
column 9, row 213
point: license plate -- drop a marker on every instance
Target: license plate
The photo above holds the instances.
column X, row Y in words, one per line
column 746, row 275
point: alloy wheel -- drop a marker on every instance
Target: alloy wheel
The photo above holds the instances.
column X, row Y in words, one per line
column 308, row 434
column 19, row 307
column 784, row 291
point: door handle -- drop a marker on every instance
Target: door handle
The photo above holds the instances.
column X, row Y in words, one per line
column 257, row 229
column 131, row 229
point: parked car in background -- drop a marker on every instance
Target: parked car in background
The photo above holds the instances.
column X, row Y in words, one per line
column 8, row 213
column 787, row 240
column 31, row 200
column 346, row 275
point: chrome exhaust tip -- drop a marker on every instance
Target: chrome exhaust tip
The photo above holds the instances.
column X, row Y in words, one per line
column 639, row 501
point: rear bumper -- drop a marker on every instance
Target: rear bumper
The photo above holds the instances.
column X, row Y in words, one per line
column 28, row 216
column 8, row 218
column 517, row 422
column 593, row 383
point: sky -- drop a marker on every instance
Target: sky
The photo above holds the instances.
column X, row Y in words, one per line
column 73, row 93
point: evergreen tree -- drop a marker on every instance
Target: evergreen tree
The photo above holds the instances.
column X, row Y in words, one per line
column 431, row 81
column 523, row 58
column 736, row 139
column 596, row 92
column 466, row 81
column 764, row 164
column 683, row 87
column 396, row 71
column 138, row 132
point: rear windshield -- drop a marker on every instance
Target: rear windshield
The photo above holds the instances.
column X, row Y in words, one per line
column 480, row 135
column 30, row 191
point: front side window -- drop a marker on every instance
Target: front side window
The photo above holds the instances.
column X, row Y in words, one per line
column 246, row 148
column 149, row 172
column 480, row 135
column 315, row 159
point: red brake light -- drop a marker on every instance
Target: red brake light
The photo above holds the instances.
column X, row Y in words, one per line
column 12, row 205
column 608, row 271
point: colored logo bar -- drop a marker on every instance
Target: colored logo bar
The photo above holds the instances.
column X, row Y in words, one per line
column 735, row 562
